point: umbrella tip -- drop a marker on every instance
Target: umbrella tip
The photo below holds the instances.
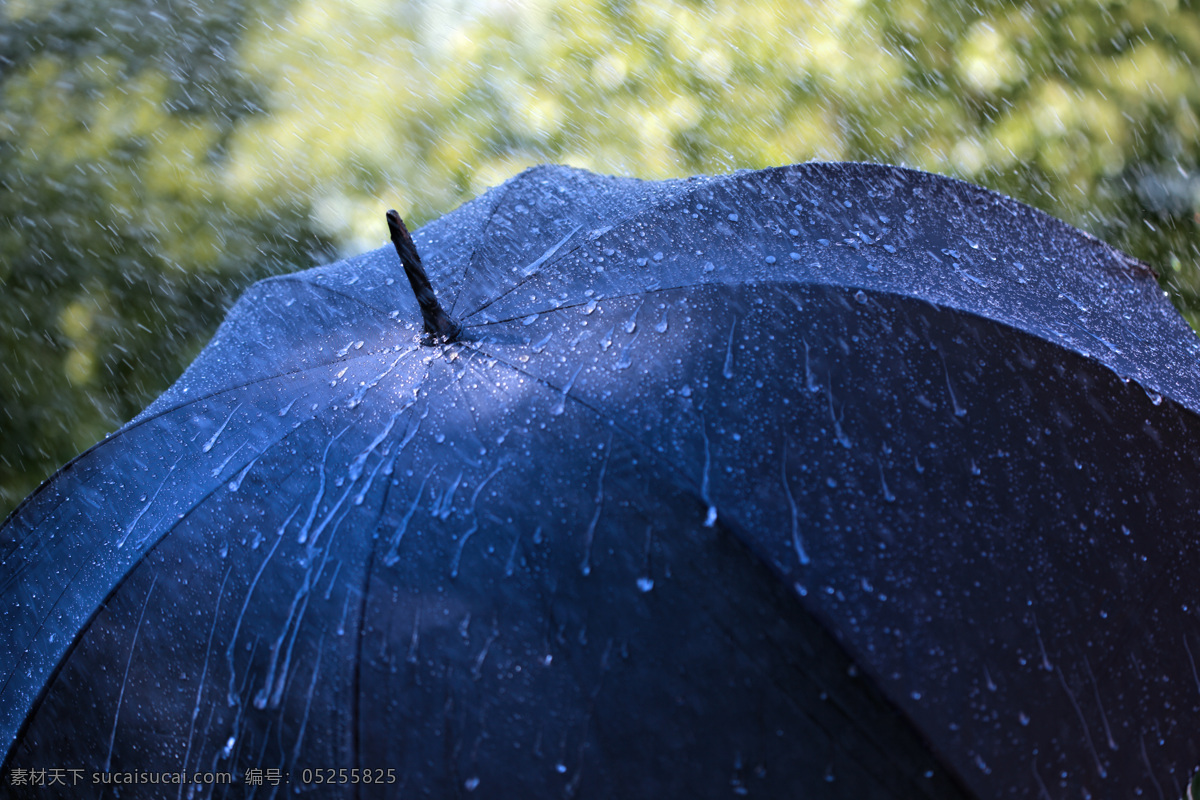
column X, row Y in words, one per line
column 437, row 322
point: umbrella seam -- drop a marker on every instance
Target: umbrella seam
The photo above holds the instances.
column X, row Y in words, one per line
column 612, row 422
column 136, row 423
column 939, row 303
column 1135, row 266
column 133, row 566
column 724, row 524
column 86, row 626
column 503, row 192
column 687, row 191
column 295, row 278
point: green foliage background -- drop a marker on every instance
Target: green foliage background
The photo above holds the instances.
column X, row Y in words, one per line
column 157, row 156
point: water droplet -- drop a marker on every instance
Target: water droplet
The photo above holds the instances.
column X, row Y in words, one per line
column 711, row 518
column 560, row 768
column 645, row 584
column 532, row 318
column 631, row 323
column 733, row 217
column 794, row 232
column 471, row 784
column 770, row 259
column 658, row 256
column 641, row 262
column 794, row 256
column 860, row 296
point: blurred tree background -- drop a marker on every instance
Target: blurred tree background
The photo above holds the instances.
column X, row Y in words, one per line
column 157, row 156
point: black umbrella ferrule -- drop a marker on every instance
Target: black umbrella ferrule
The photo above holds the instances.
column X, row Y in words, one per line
column 437, row 322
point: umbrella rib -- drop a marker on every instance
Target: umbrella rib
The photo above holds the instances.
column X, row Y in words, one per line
column 200, row 398
column 77, row 636
column 612, row 422
column 356, row 700
column 637, row 293
column 562, row 255
column 360, row 631
column 295, row 278
column 506, row 188
column 630, row 437
column 941, row 303
column 131, row 425
column 834, row 700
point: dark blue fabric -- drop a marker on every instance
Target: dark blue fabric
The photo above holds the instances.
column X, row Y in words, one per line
column 596, row 546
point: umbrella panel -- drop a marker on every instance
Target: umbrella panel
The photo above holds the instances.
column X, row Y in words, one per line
column 402, row 620
column 602, row 681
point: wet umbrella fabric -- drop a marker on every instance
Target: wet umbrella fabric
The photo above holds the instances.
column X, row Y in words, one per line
column 593, row 547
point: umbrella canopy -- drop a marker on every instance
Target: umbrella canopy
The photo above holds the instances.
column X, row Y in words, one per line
column 834, row 480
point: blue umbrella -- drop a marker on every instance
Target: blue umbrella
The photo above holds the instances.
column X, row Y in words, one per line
column 832, row 480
